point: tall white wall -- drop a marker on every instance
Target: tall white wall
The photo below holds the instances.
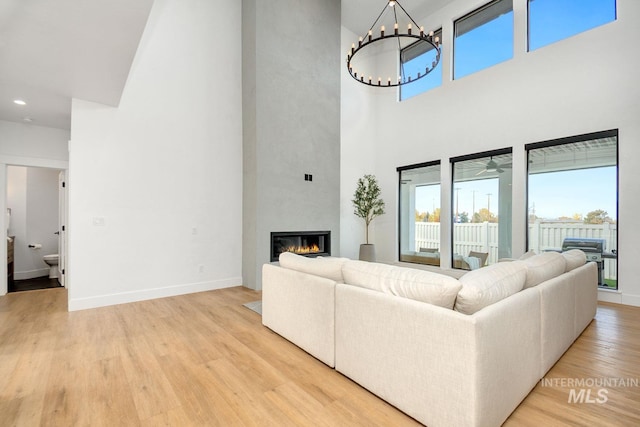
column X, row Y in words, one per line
column 32, row 195
column 583, row 84
column 357, row 137
column 155, row 185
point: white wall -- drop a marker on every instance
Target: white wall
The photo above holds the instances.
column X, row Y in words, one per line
column 32, row 195
column 27, row 145
column 18, row 140
column 155, row 201
column 357, row 139
column 583, row 84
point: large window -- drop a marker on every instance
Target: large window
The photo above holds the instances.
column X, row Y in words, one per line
column 572, row 197
column 482, row 207
column 483, row 38
column 554, row 20
column 417, row 57
column 420, row 213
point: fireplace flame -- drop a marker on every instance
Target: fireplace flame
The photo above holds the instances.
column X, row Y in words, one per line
column 313, row 249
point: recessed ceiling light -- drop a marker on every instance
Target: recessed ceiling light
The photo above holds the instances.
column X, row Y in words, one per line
column 19, row 102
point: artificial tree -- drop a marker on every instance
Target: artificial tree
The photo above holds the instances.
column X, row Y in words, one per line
column 367, row 205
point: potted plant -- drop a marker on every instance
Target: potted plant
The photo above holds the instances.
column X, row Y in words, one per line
column 367, row 205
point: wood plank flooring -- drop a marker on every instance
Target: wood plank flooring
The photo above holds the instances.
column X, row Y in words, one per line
column 205, row 360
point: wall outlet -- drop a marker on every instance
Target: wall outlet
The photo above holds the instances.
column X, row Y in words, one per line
column 201, row 268
column 99, row 221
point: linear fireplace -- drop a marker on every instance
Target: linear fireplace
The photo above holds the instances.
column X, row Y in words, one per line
column 307, row 243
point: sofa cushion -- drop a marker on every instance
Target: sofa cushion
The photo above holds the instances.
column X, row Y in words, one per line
column 543, row 267
column 529, row 254
column 329, row 268
column 419, row 285
column 574, row 259
column 488, row 285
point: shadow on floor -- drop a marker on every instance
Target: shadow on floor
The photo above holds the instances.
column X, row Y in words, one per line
column 33, row 284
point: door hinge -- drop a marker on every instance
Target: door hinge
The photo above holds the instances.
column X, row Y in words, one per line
column 63, row 228
column 63, row 271
column 64, row 184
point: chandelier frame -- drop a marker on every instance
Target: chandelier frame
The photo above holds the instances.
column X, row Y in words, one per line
column 369, row 40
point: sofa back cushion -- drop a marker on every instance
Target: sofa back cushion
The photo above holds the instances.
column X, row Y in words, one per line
column 543, row 267
column 530, row 253
column 419, row 285
column 574, row 259
column 488, row 285
column 329, row 268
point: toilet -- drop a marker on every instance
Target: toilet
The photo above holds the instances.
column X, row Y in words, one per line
column 52, row 262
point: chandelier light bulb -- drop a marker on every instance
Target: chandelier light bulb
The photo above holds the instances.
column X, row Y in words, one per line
column 370, row 39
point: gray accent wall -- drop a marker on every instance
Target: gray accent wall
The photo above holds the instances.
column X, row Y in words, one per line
column 291, row 124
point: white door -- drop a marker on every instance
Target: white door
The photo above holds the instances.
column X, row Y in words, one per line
column 62, row 227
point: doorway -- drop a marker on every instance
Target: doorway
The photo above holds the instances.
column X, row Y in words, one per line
column 34, row 219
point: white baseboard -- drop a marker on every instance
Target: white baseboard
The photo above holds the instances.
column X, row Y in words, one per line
column 147, row 294
column 633, row 300
column 31, row 274
column 618, row 297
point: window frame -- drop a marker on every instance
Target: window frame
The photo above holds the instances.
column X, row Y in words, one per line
column 399, row 170
column 615, row 18
column 455, row 36
column 463, row 158
column 570, row 140
column 436, row 33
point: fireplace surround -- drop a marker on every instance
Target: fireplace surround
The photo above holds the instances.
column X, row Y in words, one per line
column 307, row 243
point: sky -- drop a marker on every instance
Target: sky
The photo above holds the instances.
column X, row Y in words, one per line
column 554, row 194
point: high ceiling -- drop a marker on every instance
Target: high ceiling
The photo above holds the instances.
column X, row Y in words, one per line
column 52, row 51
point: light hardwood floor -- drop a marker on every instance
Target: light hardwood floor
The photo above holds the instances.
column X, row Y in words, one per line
column 204, row 359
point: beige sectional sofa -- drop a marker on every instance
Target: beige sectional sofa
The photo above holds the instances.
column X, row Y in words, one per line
column 448, row 352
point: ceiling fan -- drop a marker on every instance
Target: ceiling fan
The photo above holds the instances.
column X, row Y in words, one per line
column 493, row 166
